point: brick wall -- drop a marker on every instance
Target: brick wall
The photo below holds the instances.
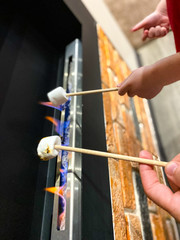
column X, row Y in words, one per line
column 128, row 130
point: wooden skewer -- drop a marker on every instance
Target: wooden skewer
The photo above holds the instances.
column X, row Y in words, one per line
column 112, row 155
column 91, row 92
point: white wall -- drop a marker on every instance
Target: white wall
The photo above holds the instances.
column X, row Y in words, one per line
column 105, row 19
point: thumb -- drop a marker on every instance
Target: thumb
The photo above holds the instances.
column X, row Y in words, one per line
column 173, row 173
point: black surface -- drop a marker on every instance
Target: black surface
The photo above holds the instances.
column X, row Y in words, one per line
column 33, row 35
column 136, row 123
column 97, row 213
column 146, row 226
column 21, row 127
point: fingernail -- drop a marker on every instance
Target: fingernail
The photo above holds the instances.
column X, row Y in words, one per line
column 119, row 84
column 171, row 167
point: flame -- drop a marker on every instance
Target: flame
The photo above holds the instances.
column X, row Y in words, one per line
column 62, row 170
column 61, row 221
column 56, row 190
column 61, row 215
column 48, row 104
column 60, row 107
column 59, row 126
column 53, row 120
column 63, row 130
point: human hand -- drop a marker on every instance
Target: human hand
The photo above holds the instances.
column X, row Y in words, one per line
column 159, row 193
column 155, row 25
column 141, row 82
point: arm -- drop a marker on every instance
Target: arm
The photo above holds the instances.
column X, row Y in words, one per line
column 156, row 191
column 156, row 24
column 148, row 81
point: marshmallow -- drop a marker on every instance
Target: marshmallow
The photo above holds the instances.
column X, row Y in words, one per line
column 46, row 149
column 57, row 96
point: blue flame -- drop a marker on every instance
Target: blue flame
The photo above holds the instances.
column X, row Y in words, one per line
column 60, row 107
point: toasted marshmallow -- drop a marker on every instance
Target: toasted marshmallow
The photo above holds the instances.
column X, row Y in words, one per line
column 46, row 148
column 57, row 96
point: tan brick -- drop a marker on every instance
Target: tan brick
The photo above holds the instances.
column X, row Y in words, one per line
column 151, row 205
column 117, row 68
column 100, row 32
column 127, row 184
column 160, row 175
column 128, row 122
column 116, row 110
column 144, row 140
column 109, row 124
column 119, row 138
column 120, row 116
column 164, row 214
column 138, row 108
column 170, row 234
column 107, row 52
column 134, row 231
column 111, row 51
column 124, row 69
column 102, row 53
column 117, row 203
column 136, row 148
column 157, row 227
column 147, row 140
column 115, row 113
column 165, row 218
column 112, row 78
column 126, row 101
column 148, row 135
column 105, row 78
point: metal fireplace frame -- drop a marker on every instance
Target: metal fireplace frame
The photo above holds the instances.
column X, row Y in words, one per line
column 72, row 82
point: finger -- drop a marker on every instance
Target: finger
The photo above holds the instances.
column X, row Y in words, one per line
column 122, row 91
column 147, row 22
column 145, row 35
column 118, row 85
column 123, row 88
column 160, row 31
column 141, row 24
column 151, row 32
column 173, row 186
column 157, row 31
column 173, row 208
column 164, row 31
column 152, row 187
column 172, row 171
column 131, row 94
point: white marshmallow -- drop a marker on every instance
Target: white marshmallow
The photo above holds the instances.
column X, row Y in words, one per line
column 46, row 149
column 57, row 96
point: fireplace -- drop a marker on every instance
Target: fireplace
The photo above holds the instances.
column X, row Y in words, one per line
column 38, row 40
column 45, row 44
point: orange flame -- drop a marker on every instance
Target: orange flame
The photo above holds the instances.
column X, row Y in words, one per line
column 51, row 119
column 46, row 103
column 55, row 190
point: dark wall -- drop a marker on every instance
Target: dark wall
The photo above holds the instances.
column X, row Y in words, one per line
column 33, row 35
